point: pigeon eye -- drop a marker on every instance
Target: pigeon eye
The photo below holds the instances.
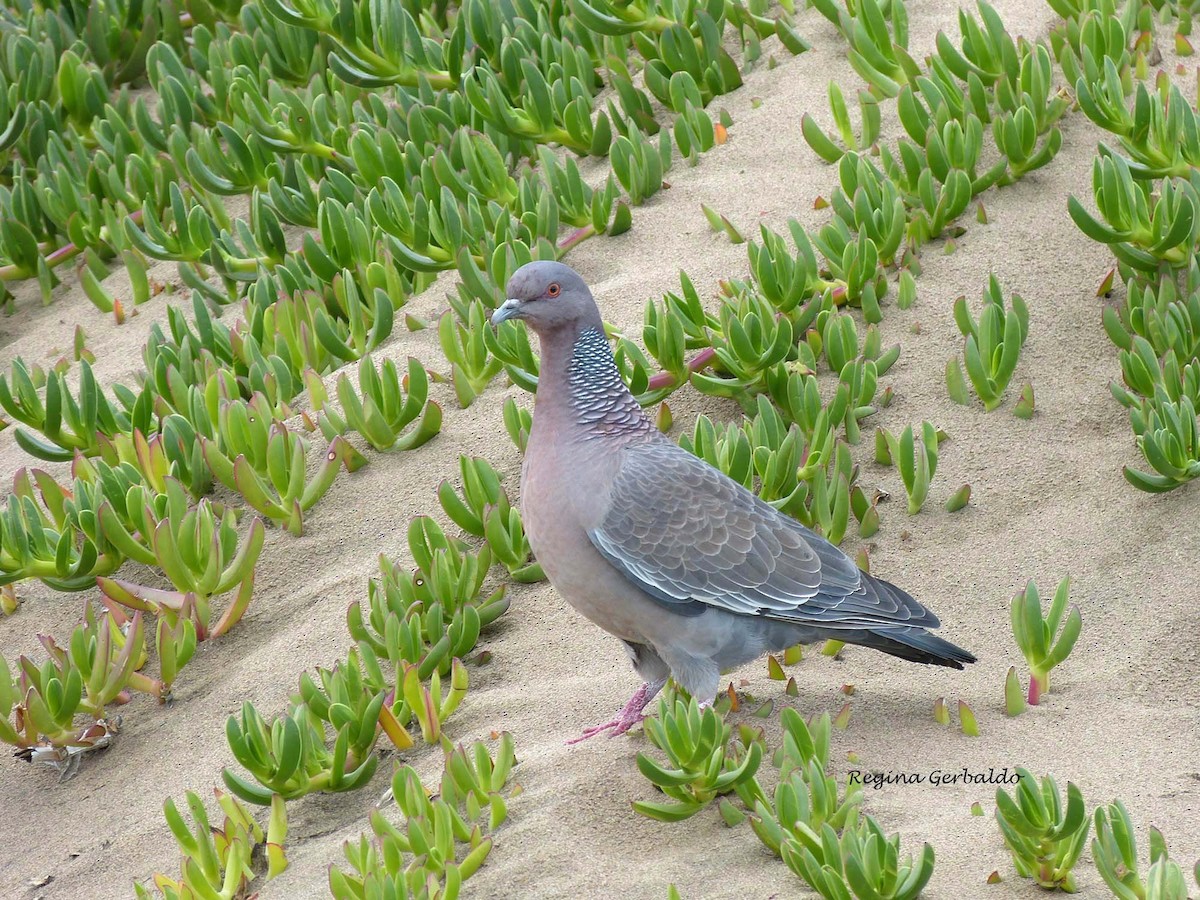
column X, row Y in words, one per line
column 553, row 291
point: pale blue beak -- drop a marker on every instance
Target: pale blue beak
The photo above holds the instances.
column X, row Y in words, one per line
column 509, row 309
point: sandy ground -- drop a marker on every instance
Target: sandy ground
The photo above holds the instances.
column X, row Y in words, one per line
column 1048, row 499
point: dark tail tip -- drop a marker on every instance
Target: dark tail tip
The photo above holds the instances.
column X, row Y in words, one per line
column 918, row 645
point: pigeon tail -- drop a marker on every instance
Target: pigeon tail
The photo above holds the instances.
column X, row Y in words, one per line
column 916, row 645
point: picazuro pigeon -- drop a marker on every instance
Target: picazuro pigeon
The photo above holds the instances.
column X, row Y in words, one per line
column 693, row 572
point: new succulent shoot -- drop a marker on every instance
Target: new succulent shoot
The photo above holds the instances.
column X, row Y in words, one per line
column 1043, row 836
column 1045, row 638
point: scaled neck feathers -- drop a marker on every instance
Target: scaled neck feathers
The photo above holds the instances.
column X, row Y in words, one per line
column 598, row 398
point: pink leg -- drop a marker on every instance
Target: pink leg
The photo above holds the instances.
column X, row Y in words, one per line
column 631, row 715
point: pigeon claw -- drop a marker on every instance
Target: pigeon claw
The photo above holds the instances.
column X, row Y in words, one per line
column 628, row 717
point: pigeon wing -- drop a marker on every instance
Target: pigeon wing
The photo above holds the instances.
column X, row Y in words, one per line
column 691, row 538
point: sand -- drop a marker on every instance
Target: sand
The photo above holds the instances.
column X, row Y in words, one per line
column 1048, row 499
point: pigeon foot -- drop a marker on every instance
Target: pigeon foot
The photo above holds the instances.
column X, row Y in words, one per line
column 628, row 717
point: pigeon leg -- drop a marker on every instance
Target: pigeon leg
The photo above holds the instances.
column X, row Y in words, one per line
column 631, row 715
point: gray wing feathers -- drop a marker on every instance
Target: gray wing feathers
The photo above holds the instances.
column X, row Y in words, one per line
column 691, row 537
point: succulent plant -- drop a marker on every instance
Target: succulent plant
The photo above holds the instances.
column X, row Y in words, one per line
column 700, row 762
column 438, row 844
column 639, row 164
column 472, row 366
column 1158, row 131
column 721, row 224
column 825, row 145
column 1114, row 850
column 1044, row 838
column 270, row 472
column 66, row 424
column 94, row 671
column 993, row 342
column 1014, row 696
column 518, row 421
column 862, row 863
column 916, row 460
column 806, row 795
column 218, row 863
column 473, row 780
column 1143, row 230
column 384, row 406
column 197, row 549
column 481, row 489
column 413, row 701
column 289, row 756
column 509, row 343
column 878, row 55
column 750, row 341
column 47, row 540
column 1159, row 315
column 1170, row 442
column 1039, row 636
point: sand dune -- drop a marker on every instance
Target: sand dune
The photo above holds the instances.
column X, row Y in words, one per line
column 1048, row 500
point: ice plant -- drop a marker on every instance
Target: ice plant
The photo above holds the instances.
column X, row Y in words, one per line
column 959, row 499
column 701, row 763
column 94, row 671
column 472, row 366
column 439, row 841
column 1014, row 696
column 1170, row 443
column 639, row 163
column 721, row 224
column 806, row 794
column 1114, row 850
column 428, row 705
column 384, row 406
column 517, row 422
column 1025, row 406
column 826, row 145
column 277, row 485
column 1039, row 636
column 878, row 55
column 481, row 488
column 1143, row 231
column 197, row 548
column 510, row 344
column 448, row 572
column 45, row 539
column 67, row 421
column 862, row 863
column 993, row 342
column 289, row 756
column 218, row 863
column 474, row 779
column 916, row 460
column 1044, row 837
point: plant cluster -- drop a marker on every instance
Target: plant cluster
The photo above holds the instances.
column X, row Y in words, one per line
column 818, row 831
column 1044, row 837
column 1146, row 194
column 441, row 840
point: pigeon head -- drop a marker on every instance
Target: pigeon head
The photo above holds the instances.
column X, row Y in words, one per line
column 547, row 296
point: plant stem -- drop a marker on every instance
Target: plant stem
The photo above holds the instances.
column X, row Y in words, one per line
column 695, row 364
column 577, row 236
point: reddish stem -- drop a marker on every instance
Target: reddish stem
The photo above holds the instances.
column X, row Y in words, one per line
column 61, row 255
column 575, row 237
column 695, row 364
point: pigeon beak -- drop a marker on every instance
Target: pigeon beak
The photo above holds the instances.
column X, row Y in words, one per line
column 509, row 309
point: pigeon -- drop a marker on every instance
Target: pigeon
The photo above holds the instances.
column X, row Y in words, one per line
column 690, row 570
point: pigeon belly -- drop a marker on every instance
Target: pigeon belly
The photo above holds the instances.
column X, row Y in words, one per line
column 573, row 566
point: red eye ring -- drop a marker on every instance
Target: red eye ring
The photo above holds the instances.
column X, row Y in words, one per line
column 553, row 291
